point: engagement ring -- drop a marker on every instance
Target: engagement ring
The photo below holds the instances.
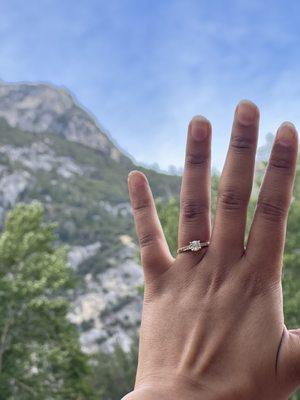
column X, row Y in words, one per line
column 195, row 245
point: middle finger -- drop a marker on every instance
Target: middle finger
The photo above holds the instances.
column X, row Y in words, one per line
column 236, row 182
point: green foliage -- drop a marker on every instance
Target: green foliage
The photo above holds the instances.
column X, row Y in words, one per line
column 114, row 373
column 169, row 217
column 40, row 356
column 83, row 205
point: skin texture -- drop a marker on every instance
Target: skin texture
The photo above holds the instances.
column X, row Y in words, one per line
column 212, row 325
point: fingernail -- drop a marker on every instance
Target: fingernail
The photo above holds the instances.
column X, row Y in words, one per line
column 136, row 178
column 199, row 128
column 247, row 113
column 286, row 134
column 131, row 173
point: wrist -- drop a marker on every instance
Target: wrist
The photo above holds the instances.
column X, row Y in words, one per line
column 164, row 390
column 154, row 394
column 146, row 394
column 184, row 389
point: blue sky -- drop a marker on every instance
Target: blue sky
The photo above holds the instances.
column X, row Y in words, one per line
column 144, row 68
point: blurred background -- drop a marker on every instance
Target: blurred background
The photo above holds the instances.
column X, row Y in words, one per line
column 90, row 90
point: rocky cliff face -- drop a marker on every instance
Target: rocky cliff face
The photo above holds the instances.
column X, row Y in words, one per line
column 42, row 109
column 53, row 151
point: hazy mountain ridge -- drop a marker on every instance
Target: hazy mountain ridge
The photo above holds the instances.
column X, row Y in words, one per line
column 53, row 151
column 43, row 108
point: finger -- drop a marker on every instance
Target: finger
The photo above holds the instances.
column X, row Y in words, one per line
column 155, row 254
column 267, row 234
column 236, row 182
column 194, row 221
column 290, row 358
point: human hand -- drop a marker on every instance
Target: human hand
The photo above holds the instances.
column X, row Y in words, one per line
column 213, row 325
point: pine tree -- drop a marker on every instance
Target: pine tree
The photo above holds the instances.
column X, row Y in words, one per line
column 40, row 355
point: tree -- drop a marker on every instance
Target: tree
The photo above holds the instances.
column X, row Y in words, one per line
column 168, row 213
column 114, row 372
column 40, row 355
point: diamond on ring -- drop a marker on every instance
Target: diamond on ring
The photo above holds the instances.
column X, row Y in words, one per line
column 195, row 245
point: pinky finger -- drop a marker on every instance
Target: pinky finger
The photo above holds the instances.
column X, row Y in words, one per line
column 155, row 254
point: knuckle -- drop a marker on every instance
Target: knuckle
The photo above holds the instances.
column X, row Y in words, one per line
column 232, row 199
column 255, row 283
column 241, row 144
column 196, row 159
column 272, row 209
column 192, row 210
column 147, row 239
column 216, row 282
column 140, row 207
column 281, row 164
column 151, row 292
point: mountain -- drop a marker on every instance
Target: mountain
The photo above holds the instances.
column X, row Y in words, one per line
column 53, row 150
column 43, row 108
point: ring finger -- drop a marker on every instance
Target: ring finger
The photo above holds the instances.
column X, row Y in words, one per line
column 194, row 222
